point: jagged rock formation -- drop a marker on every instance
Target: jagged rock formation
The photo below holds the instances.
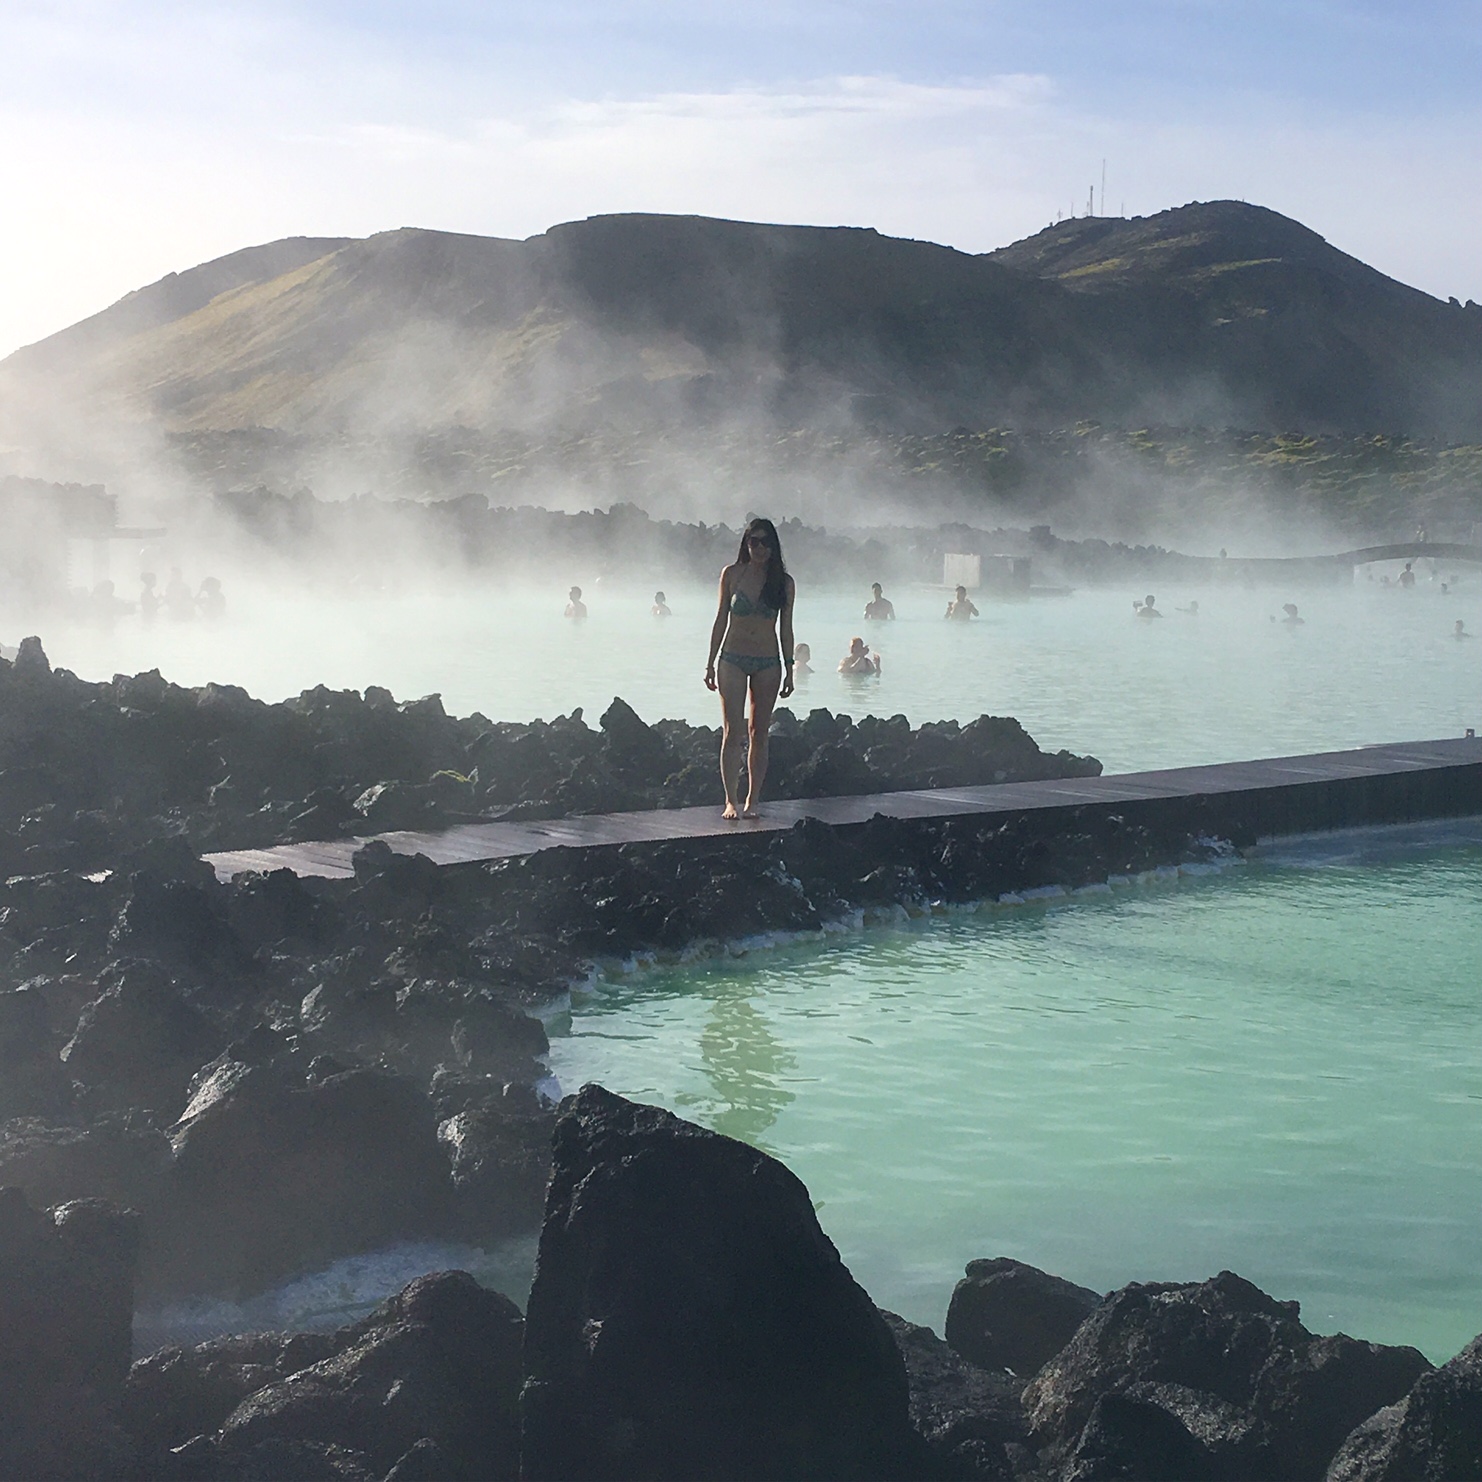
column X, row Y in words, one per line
column 89, row 771
column 1255, row 1393
column 690, row 1319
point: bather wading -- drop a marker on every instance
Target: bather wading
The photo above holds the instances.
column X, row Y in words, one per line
column 754, row 612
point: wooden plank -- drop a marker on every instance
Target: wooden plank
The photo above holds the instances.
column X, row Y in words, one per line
column 470, row 842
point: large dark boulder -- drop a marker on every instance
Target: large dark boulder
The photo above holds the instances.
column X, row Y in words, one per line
column 970, row 1419
column 66, row 1309
column 425, row 1389
column 280, row 1168
column 179, row 922
column 177, row 1393
column 1007, row 1315
column 1434, row 1434
column 498, row 1144
column 439, row 1362
column 1234, row 1366
column 117, row 1157
column 416, row 1025
column 689, row 1318
column 139, row 1043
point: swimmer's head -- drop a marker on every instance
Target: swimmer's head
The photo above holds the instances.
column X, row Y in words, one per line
column 961, row 593
column 801, row 652
column 876, row 588
column 1460, row 627
column 658, row 597
column 575, row 594
column 856, row 646
column 1148, row 600
column 1289, row 608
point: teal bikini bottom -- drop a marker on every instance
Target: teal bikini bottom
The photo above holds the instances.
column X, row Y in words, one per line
column 751, row 663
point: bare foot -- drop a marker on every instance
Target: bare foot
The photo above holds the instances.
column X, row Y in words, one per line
column 749, row 811
column 730, row 812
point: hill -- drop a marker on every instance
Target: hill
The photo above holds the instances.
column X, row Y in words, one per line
column 1220, row 315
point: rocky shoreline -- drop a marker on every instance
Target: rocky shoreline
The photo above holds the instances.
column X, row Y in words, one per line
column 690, row 1319
column 89, row 770
column 276, row 1072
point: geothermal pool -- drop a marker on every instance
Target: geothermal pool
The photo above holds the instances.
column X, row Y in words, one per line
column 1369, row 664
column 1276, row 1069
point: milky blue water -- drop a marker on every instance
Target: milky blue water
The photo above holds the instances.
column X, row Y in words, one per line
column 1276, row 1070
column 1369, row 664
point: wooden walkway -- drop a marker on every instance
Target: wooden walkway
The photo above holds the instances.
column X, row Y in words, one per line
column 481, row 841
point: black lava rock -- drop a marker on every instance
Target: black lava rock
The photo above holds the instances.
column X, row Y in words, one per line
column 1235, row 1367
column 1006, row 1315
column 66, row 1309
column 1434, row 1434
column 689, row 1319
column 280, row 1167
column 971, row 1419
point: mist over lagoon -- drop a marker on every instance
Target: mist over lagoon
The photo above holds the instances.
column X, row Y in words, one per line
column 1371, row 662
column 408, row 1071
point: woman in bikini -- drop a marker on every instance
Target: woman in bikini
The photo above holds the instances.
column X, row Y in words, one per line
column 755, row 591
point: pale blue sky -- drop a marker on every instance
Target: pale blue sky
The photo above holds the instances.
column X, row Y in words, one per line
column 142, row 138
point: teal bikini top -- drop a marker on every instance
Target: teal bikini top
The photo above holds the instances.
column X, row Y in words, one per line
column 742, row 606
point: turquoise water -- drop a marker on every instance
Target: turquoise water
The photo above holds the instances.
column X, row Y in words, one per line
column 1370, row 664
column 1277, row 1069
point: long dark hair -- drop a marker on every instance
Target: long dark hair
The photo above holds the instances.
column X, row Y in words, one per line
column 774, row 588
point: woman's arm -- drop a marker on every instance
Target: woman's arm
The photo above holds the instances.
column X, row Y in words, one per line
column 718, row 627
column 785, row 625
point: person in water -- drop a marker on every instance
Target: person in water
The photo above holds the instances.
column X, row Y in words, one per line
column 1146, row 608
column 756, row 601
column 211, row 600
column 859, row 659
column 1192, row 610
column 150, row 601
column 1460, row 630
column 1293, row 618
column 960, row 608
column 804, row 660
column 1407, row 576
column 180, row 601
column 576, row 609
column 660, row 607
column 880, row 608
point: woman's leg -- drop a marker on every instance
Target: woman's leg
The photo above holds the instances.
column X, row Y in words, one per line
column 731, row 682
column 764, row 687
